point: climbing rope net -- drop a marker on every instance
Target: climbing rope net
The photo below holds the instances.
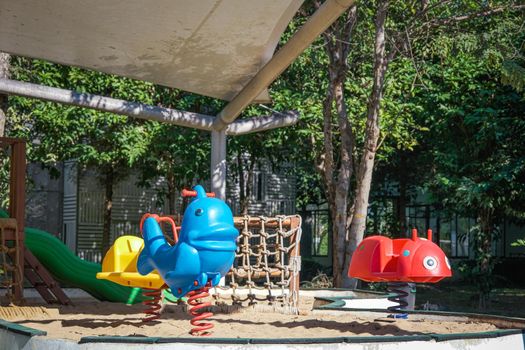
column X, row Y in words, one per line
column 267, row 261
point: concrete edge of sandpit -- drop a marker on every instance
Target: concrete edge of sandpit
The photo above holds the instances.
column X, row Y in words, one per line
column 335, row 305
column 19, row 329
column 15, row 336
column 328, row 340
column 10, row 338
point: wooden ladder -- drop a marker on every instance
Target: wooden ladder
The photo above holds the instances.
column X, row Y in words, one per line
column 12, row 271
column 32, row 269
column 42, row 280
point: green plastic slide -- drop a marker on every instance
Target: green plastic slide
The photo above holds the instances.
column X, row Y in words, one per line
column 70, row 269
column 67, row 268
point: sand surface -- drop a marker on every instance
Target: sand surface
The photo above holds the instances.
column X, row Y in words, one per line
column 102, row 318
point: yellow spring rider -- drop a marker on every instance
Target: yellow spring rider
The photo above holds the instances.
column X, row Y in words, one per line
column 120, row 266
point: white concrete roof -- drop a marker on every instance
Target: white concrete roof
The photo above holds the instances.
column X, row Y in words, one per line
column 209, row 47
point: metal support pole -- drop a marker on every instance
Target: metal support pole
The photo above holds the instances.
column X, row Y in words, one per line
column 218, row 169
column 143, row 111
column 218, row 163
column 262, row 123
column 107, row 104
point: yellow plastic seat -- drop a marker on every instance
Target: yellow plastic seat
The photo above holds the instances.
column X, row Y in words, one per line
column 120, row 265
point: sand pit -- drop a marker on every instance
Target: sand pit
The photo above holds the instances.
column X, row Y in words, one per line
column 110, row 319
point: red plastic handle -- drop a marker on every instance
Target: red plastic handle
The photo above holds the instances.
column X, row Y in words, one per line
column 190, row 193
column 161, row 219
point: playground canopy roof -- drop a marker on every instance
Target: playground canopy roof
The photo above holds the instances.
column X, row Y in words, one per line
column 209, row 47
column 218, row 48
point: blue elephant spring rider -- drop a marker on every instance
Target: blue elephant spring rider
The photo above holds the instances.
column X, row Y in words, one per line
column 203, row 252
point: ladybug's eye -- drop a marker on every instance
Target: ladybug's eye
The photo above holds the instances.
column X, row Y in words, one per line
column 199, row 212
column 430, row 263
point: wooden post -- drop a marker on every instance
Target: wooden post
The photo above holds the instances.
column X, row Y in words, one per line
column 295, row 251
column 36, row 273
column 17, row 210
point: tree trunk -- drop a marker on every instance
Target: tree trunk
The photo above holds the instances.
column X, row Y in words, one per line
column 240, row 174
column 336, row 189
column 484, row 258
column 336, row 171
column 108, row 206
column 249, row 186
column 245, row 187
column 342, row 187
column 326, row 167
column 172, row 192
column 4, row 74
column 366, row 165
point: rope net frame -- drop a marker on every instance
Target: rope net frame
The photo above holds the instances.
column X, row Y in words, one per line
column 267, row 262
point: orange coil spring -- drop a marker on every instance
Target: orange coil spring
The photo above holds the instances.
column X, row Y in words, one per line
column 153, row 301
column 198, row 314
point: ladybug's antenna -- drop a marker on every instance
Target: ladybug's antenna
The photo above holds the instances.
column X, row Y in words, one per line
column 414, row 234
column 429, row 234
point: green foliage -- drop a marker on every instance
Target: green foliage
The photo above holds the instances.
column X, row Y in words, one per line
column 60, row 132
column 444, row 112
column 518, row 243
column 113, row 145
column 473, row 152
column 482, row 164
column 303, row 87
column 382, row 218
column 452, row 117
column 179, row 155
column 513, row 74
column 103, row 140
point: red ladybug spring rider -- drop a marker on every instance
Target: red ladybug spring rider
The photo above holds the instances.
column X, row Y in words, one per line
column 400, row 262
column 381, row 259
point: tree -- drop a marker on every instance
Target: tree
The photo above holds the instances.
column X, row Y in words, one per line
column 111, row 146
column 251, row 151
column 357, row 87
column 180, row 156
column 482, row 173
column 245, row 154
column 109, row 143
column 403, row 36
column 340, row 144
column 467, row 151
column 479, row 171
column 344, row 160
